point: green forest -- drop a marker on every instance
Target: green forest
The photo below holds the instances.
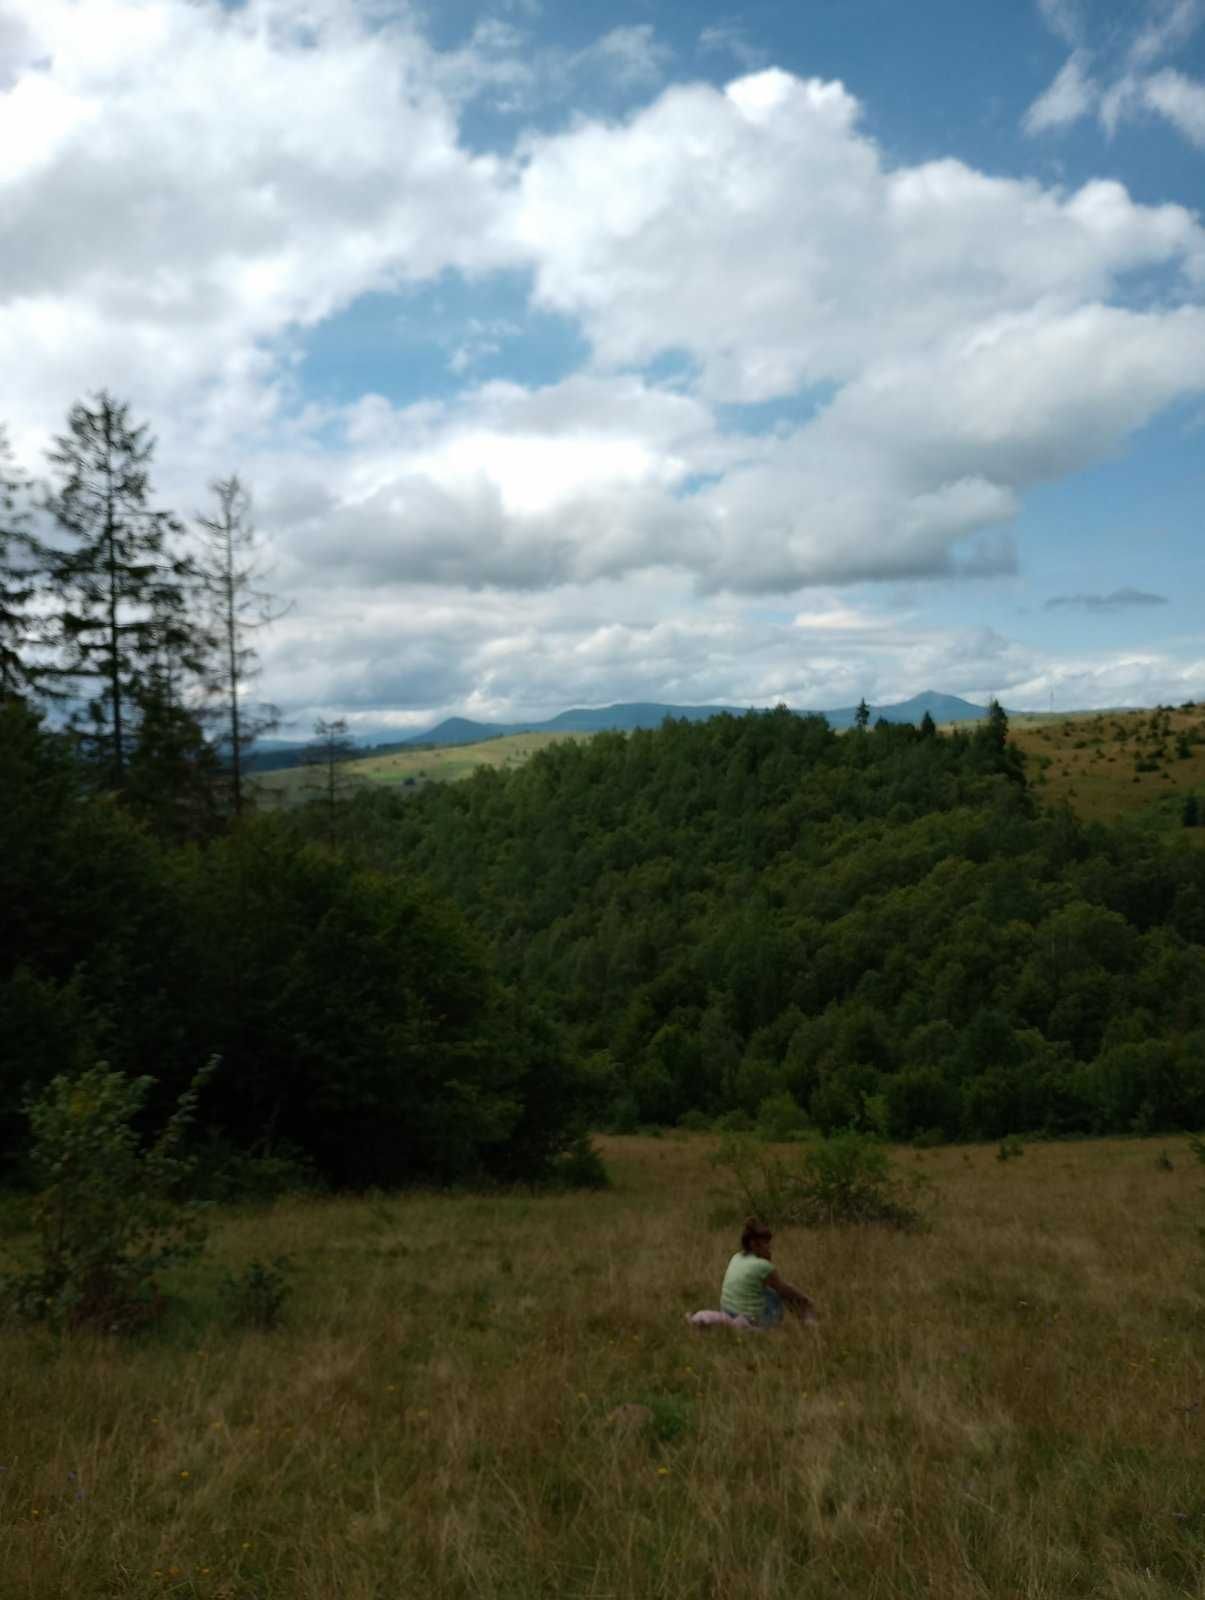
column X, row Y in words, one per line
column 751, row 918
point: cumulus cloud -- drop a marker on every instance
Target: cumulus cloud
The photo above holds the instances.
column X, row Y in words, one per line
column 1119, row 600
column 947, row 339
column 759, row 231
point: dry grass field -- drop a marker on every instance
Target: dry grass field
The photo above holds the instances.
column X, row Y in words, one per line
column 400, row 767
column 1011, row 1405
column 1112, row 765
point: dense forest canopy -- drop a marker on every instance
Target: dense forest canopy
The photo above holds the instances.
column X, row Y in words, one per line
column 881, row 925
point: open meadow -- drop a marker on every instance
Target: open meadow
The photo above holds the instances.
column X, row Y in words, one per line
column 1010, row 1404
column 410, row 768
column 1110, row 766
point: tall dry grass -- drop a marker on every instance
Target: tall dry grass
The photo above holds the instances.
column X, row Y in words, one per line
column 1007, row 1406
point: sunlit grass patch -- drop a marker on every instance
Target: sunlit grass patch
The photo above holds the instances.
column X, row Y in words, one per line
column 497, row 1396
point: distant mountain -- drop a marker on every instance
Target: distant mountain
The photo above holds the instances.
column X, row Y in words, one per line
column 941, row 707
column 623, row 718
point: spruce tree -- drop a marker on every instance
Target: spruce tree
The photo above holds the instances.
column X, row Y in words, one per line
column 21, row 560
column 122, row 595
column 230, row 575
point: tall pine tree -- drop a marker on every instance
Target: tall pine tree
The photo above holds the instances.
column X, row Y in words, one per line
column 122, row 594
column 231, row 574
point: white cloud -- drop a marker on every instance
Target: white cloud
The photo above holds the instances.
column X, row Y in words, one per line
column 958, row 337
column 1181, row 100
column 728, row 39
column 632, row 56
column 1124, row 90
column 169, row 213
column 1062, row 17
column 759, row 231
column 1071, row 96
column 1167, row 25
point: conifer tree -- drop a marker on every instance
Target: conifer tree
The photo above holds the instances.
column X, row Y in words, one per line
column 122, row 595
column 230, row 574
column 21, row 559
column 327, row 754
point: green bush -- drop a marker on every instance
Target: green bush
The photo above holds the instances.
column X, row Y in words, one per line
column 844, row 1178
column 108, row 1214
column 580, row 1167
column 255, row 1297
column 780, row 1117
column 1010, row 1148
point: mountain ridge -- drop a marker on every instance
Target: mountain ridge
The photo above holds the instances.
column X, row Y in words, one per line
column 628, row 715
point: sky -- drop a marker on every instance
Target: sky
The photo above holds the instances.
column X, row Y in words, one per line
column 697, row 353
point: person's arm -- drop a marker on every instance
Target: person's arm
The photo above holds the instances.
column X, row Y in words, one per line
column 799, row 1302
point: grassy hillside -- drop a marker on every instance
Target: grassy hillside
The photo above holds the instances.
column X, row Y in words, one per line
column 402, row 768
column 1115, row 765
column 1007, row 1406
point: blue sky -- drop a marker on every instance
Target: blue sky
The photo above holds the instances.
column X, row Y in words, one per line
column 688, row 353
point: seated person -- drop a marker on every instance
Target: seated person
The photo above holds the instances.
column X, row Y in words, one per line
column 753, row 1294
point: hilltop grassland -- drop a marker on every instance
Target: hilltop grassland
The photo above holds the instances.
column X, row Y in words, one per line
column 1111, row 766
column 1009, row 1405
column 406, row 768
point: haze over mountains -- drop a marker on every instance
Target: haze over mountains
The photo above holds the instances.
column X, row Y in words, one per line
column 625, row 717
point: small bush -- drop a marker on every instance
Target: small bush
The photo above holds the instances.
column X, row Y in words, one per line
column 733, row 1122
column 1010, row 1148
column 107, row 1216
column 845, row 1178
column 255, row 1297
column 780, row 1117
column 230, row 1176
column 581, row 1167
column 695, row 1121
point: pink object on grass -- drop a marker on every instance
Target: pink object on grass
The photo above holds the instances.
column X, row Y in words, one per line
column 720, row 1319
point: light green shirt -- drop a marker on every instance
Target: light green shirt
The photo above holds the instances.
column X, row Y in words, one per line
column 744, row 1291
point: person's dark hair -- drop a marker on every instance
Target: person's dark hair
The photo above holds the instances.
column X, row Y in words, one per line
column 753, row 1229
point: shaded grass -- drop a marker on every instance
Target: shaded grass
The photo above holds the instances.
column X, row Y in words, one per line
column 1001, row 1407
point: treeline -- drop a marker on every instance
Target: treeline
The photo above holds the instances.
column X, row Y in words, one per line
column 880, row 929
column 150, row 920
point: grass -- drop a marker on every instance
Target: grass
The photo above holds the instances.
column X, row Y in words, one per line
column 403, row 768
column 1010, row 1405
column 1111, row 766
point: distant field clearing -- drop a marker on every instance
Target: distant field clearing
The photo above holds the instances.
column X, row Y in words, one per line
column 402, row 768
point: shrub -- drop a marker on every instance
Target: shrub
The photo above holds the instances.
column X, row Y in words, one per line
column 231, row 1176
column 255, row 1297
column 780, row 1117
column 1010, row 1148
column 107, row 1216
column 580, row 1167
column 844, row 1178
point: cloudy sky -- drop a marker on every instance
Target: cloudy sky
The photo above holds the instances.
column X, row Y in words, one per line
column 688, row 352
